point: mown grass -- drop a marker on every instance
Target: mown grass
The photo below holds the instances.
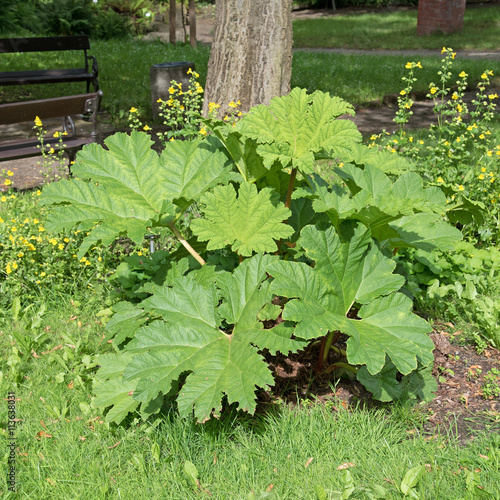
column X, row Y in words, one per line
column 397, row 31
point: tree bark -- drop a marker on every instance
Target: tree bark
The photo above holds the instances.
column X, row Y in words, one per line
column 192, row 23
column 171, row 21
column 251, row 56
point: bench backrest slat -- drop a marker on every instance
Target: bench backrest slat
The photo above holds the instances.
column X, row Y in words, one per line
column 44, row 44
column 45, row 108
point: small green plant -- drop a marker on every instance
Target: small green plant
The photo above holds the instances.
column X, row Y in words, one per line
column 491, row 384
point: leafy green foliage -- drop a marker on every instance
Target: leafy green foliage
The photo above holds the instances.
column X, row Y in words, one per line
column 249, row 223
column 295, row 127
column 278, row 257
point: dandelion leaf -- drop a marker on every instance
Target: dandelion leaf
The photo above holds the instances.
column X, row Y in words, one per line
column 251, row 222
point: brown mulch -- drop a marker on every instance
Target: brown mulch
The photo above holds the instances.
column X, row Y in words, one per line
column 460, row 409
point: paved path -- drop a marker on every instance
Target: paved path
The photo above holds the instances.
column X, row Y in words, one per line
column 461, row 54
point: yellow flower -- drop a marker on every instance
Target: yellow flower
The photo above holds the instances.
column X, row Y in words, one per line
column 35, row 221
column 454, row 96
column 189, row 71
column 461, row 188
column 146, row 128
column 459, row 108
column 42, row 274
column 408, row 65
column 444, row 50
column 493, row 96
column 8, row 269
column 133, row 110
column 14, row 265
column 463, row 74
column 159, row 100
column 66, row 240
column 484, row 76
column 51, row 151
column 38, row 193
column 434, row 90
column 403, row 92
column 482, row 136
column 453, row 54
column 38, row 122
column 171, row 90
column 439, row 179
column 489, row 153
column 20, row 255
column 1, row 221
column 7, row 182
column 41, row 229
column 9, row 173
column 232, row 104
column 3, row 199
column 481, row 176
column 213, row 106
column 203, row 131
column 56, row 134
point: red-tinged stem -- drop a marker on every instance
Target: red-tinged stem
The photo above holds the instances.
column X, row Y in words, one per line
column 291, row 184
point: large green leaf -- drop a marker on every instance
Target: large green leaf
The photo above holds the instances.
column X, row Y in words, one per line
column 189, row 343
column 250, row 223
column 346, row 272
column 292, row 128
column 403, row 213
column 135, row 188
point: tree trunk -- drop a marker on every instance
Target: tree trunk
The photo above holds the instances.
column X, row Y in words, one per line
column 251, row 56
column 171, row 21
column 192, row 23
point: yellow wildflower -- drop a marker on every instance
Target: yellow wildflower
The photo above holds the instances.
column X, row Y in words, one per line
column 408, row 65
column 38, row 122
column 463, row 74
column 439, row 179
column 493, row 96
column 146, row 128
column 56, row 134
column 461, row 188
column 203, row 131
column 433, row 90
column 133, row 110
column 7, row 182
column 9, row 173
column 403, row 92
column 481, row 177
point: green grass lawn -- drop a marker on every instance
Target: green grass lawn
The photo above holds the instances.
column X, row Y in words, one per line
column 397, row 30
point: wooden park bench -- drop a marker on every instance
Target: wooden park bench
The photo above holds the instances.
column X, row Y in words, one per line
column 86, row 73
column 58, row 107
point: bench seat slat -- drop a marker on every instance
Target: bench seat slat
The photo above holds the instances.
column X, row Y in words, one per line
column 46, row 76
column 27, row 149
column 44, row 44
column 44, row 108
